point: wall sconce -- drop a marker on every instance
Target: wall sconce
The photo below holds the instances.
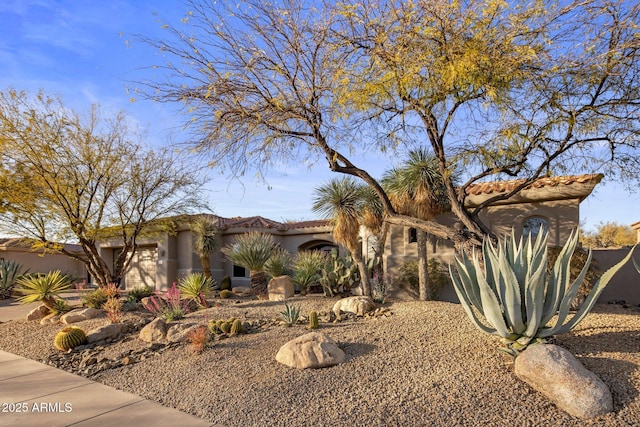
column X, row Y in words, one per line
column 161, row 253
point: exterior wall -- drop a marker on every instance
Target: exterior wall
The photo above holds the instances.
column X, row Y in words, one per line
column 625, row 285
column 38, row 263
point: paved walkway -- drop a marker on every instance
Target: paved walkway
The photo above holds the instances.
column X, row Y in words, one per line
column 35, row 394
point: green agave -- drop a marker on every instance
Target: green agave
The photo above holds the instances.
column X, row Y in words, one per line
column 516, row 296
column 196, row 287
column 45, row 288
column 291, row 314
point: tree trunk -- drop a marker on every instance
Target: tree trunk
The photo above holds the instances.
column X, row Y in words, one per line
column 206, row 266
column 259, row 284
column 364, row 275
column 424, row 293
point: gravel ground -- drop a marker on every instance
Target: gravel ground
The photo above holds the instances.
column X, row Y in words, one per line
column 424, row 365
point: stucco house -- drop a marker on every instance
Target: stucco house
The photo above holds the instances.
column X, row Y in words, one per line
column 36, row 261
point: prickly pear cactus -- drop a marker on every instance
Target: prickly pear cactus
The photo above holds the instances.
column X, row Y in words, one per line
column 313, row 320
column 69, row 337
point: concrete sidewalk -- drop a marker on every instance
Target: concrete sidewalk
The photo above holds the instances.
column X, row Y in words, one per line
column 34, row 394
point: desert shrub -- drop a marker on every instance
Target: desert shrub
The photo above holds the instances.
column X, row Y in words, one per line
column 113, row 307
column 94, row 299
column 198, row 339
column 307, row 267
column 170, row 307
column 136, row 294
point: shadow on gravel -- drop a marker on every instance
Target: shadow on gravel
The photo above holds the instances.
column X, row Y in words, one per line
column 596, row 342
column 355, row 349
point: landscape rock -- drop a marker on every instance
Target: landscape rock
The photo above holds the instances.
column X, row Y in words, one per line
column 359, row 305
column 312, row 350
column 79, row 315
column 38, row 313
column 280, row 288
column 155, row 331
column 556, row 373
column 242, row 291
column 105, row 332
column 179, row 332
column 50, row 319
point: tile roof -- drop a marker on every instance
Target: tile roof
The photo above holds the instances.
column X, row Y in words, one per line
column 261, row 222
column 506, row 186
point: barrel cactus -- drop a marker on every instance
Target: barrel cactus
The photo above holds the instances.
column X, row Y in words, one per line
column 69, row 337
column 225, row 284
column 516, row 296
column 236, row 327
column 313, row 320
column 226, row 293
column 225, row 327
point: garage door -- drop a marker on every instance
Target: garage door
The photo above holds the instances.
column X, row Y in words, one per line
column 142, row 270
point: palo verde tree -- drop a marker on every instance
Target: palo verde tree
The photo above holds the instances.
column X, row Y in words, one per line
column 67, row 177
column 499, row 89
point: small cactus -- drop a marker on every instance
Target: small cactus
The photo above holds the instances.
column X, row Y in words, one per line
column 236, row 327
column 225, row 285
column 313, row 320
column 213, row 327
column 225, row 327
column 225, row 293
column 69, row 337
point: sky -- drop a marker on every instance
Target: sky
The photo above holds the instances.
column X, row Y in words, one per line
column 86, row 52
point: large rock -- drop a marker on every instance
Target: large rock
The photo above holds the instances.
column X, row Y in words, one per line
column 359, row 305
column 105, row 332
column 39, row 312
column 313, row 350
column 79, row 315
column 180, row 332
column 156, row 331
column 556, row 373
column 280, row 288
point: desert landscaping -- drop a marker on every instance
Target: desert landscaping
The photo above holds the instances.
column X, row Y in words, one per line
column 407, row 363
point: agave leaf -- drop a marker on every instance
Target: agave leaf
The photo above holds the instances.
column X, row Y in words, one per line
column 558, row 279
column 468, row 276
column 511, row 299
column 591, row 299
column 635, row 264
column 534, row 297
column 491, row 306
column 466, row 304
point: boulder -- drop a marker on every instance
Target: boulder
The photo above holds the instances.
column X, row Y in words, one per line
column 242, row 291
column 105, row 332
column 39, row 312
column 359, row 305
column 155, row 331
column 79, row 315
column 280, row 288
column 556, row 373
column 313, row 350
column 180, row 332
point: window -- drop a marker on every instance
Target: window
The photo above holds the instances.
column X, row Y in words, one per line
column 238, row 271
column 533, row 225
column 413, row 235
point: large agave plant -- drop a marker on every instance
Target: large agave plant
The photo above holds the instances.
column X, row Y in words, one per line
column 196, row 287
column 45, row 288
column 516, row 296
column 9, row 273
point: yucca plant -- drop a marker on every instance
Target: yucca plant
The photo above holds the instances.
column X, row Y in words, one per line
column 252, row 250
column 9, row 272
column 196, row 287
column 279, row 263
column 516, row 296
column 45, row 288
column 291, row 314
column 307, row 269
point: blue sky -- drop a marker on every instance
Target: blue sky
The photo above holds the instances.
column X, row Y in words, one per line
column 86, row 52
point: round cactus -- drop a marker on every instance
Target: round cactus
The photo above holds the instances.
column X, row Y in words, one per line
column 236, row 327
column 225, row 285
column 225, row 327
column 313, row 320
column 225, row 293
column 69, row 337
column 213, row 327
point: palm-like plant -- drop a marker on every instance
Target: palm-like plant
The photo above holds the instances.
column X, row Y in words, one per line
column 279, row 263
column 205, row 241
column 252, row 250
column 418, row 189
column 307, row 268
column 196, row 287
column 341, row 201
column 45, row 288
